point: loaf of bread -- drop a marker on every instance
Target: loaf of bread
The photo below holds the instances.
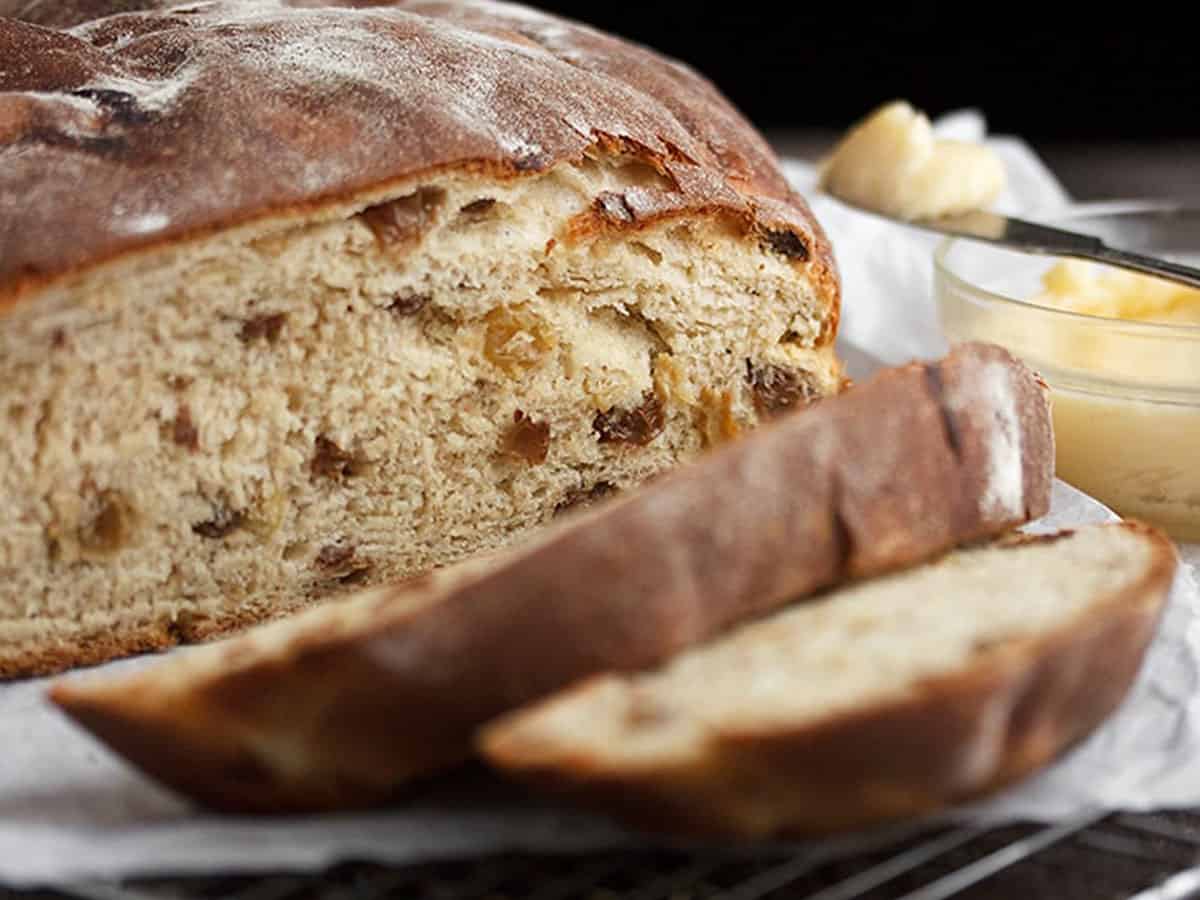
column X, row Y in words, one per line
column 344, row 703
column 889, row 698
column 300, row 297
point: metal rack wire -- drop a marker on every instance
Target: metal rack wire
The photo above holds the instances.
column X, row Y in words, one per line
column 1123, row 857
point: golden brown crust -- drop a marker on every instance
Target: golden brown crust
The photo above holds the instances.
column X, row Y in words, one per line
column 87, row 650
column 103, row 645
column 328, row 714
column 106, row 122
column 1016, row 708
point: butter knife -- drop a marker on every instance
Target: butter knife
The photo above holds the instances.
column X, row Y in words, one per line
column 1030, row 237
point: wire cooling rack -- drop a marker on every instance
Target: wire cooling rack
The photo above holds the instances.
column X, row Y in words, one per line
column 1118, row 857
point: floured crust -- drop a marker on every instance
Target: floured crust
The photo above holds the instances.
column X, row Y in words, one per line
column 1015, row 708
column 272, row 349
column 109, row 113
column 340, row 706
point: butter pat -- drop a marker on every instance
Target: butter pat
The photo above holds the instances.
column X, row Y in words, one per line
column 893, row 164
column 1097, row 290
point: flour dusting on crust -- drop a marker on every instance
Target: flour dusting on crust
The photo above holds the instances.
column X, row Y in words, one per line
column 991, row 387
column 210, row 114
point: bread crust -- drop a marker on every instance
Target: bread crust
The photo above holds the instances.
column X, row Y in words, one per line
column 954, row 738
column 124, row 97
column 343, row 704
column 98, row 646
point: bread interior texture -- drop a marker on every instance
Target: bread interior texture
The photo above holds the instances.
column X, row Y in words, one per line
column 219, row 430
column 880, row 642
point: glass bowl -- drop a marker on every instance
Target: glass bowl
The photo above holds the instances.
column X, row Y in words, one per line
column 1125, row 394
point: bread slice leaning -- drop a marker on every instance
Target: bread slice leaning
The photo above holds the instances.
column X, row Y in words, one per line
column 885, row 699
column 342, row 704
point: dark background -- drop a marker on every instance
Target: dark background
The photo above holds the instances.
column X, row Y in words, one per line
column 1052, row 72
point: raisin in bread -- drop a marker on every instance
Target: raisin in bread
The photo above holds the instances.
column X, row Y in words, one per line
column 297, row 297
column 343, row 704
column 889, row 698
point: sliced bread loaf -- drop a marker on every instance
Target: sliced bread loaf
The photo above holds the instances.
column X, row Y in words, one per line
column 301, row 297
column 342, row 704
column 888, row 698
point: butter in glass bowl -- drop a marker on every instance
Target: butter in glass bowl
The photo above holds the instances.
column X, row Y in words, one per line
column 1120, row 352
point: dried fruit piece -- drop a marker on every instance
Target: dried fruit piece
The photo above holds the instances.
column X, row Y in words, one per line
column 110, row 529
column 358, row 575
column 183, row 429
column 404, row 219
column 335, row 556
column 408, row 304
column 331, row 461
column 340, row 562
column 581, row 498
column 718, row 420
column 637, row 426
column 268, row 327
column 526, row 439
column 786, row 243
column 776, row 389
column 224, row 521
column 477, row 210
column 515, row 340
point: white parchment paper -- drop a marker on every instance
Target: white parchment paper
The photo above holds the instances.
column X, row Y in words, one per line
column 70, row 811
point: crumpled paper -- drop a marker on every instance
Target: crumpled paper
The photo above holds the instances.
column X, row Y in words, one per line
column 71, row 811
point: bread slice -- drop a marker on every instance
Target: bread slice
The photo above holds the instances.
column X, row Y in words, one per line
column 889, row 698
column 341, row 705
column 300, row 297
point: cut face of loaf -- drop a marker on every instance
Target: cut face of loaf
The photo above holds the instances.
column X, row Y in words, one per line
column 889, row 698
column 236, row 427
column 273, row 328
column 343, row 704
